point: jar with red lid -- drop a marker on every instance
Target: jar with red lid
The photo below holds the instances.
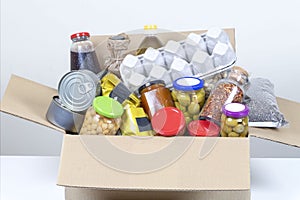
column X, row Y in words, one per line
column 83, row 55
column 203, row 128
column 155, row 96
column 168, row 122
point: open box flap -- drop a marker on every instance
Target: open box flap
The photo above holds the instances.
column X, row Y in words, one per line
column 205, row 164
column 28, row 100
column 288, row 135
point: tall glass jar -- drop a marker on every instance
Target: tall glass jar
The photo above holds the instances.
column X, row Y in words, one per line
column 234, row 120
column 83, row 55
column 189, row 96
column 229, row 90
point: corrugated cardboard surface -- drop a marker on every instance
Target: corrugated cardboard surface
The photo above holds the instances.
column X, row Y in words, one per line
column 29, row 100
column 288, row 135
column 226, row 166
column 96, row 194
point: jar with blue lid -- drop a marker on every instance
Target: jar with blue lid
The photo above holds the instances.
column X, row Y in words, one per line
column 189, row 96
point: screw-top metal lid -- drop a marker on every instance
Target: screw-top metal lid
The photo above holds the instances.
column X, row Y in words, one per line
column 80, row 34
column 235, row 110
column 188, row 84
column 107, row 107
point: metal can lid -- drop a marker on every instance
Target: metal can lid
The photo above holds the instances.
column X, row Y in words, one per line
column 188, row 84
column 77, row 89
column 168, row 121
column 108, row 107
column 235, row 110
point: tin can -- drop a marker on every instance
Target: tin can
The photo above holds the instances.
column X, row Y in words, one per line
column 64, row 118
column 77, row 89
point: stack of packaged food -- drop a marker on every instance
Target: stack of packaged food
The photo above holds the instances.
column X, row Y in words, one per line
column 187, row 87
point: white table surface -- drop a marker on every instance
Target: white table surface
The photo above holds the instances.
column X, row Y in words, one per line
column 34, row 177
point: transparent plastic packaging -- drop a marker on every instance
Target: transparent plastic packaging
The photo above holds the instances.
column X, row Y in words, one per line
column 263, row 105
column 83, row 55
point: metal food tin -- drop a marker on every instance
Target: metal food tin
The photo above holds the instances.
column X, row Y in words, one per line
column 77, row 89
column 64, row 118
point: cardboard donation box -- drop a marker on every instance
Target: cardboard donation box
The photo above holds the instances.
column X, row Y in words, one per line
column 128, row 167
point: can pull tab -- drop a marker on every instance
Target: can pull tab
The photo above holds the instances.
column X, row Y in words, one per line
column 85, row 87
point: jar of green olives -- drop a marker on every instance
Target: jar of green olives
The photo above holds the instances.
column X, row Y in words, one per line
column 234, row 120
column 189, row 96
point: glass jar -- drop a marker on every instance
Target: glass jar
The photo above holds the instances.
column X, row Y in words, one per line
column 168, row 122
column 234, row 120
column 229, row 90
column 154, row 96
column 83, row 55
column 103, row 117
column 189, row 96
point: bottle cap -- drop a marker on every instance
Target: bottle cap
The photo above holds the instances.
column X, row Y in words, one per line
column 150, row 27
column 108, row 107
column 188, row 84
column 235, row 110
column 80, row 34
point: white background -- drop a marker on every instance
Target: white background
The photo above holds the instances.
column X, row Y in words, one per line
column 35, row 44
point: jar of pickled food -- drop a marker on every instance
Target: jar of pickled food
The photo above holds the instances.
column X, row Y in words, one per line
column 228, row 90
column 155, row 96
column 103, row 117
column 168, row 122
column 189, row 96
column 234, row 120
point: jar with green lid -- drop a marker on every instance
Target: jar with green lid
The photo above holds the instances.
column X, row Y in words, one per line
column 189, row 96
column 103, row 117
column 234, row 120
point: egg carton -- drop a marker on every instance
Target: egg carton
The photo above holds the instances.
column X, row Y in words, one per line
column 198, row 55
